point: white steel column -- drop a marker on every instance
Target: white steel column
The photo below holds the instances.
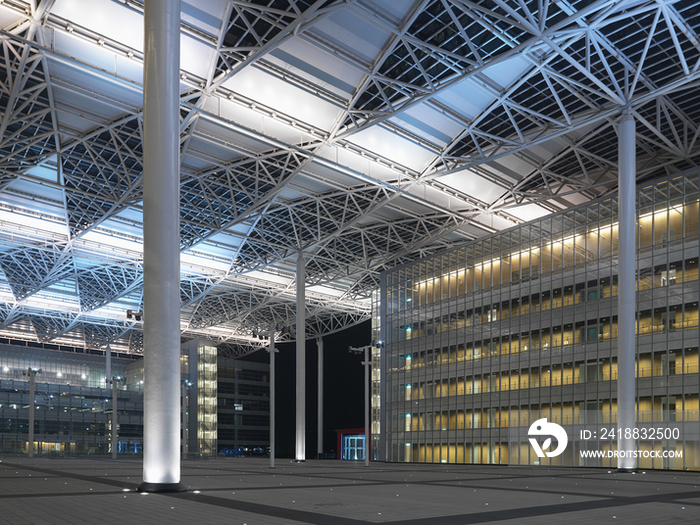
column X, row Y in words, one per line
column 183, row 419
column 319, row 448
column 384, row 396
column 108, row 382
column 108, row 364
column 300, row 453
column 115, row 422
column 368, row 440
column 161, row 218
column 272, row 351
column 32, row 383
column 626, row 307
column 30, row 440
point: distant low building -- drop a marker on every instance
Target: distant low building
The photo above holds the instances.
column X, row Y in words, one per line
column 226, row 401
column 73, row 403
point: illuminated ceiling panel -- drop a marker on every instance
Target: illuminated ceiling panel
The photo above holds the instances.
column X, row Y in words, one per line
column 364, row 133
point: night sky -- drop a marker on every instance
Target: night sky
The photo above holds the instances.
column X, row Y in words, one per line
column 343, row 383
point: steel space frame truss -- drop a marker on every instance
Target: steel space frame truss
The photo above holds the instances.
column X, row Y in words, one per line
column 587, row 62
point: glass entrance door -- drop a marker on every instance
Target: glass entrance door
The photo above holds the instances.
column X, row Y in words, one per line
column 352, row 447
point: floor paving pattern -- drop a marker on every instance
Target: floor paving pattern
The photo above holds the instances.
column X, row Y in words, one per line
column 246, row 491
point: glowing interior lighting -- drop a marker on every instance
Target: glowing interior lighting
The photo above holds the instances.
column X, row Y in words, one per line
column 534, row 250
column 649, row 215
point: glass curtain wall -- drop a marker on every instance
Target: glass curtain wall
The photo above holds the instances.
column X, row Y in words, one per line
column 523, row 325
column 206, row 398
column 72, row 404
column 376, row 448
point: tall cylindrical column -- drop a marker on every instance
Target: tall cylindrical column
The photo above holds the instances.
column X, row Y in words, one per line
column 272, row 351
column 108, row 382
column 108, row 364
column 319, row 441
column 383, row 451
column 115, row 422
column 30, row 441
column 300, row 449
column 183, row 417
column 161, row 247
column 368, row 448
column 626, row 307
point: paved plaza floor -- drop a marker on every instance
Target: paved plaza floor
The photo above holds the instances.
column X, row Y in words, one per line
column 245, row 491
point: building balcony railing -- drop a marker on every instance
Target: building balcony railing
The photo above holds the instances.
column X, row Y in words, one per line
column 555, row 342
column 484, row 384
column 477, row 420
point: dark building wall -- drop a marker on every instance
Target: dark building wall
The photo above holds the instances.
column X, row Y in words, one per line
column 244, row 404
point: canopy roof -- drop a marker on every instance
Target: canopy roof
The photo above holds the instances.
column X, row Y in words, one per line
column 363, row 134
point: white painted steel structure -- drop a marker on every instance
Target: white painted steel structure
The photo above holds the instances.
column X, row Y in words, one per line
column 365, row 134
column 319, row 398
column 272, row 350
column 627, row 294
column 32, row 383
column 300, row 436
column 161, row 255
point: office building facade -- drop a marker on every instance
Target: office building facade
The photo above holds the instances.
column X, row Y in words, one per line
column 244, row 405
column 480, row 342
column 226, row 401
column 73, row 404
